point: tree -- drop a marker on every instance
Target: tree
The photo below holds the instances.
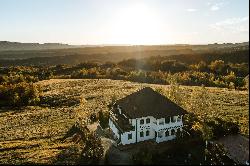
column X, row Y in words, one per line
column 93, row 150
column 175, row 92
column 217, row 66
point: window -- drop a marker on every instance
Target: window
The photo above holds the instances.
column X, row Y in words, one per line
column 147, row 133
column 167, row 119
column 172, row 132
column 141, row 134
column 129, row 136
column 142, row 121
column 148, row 120
column 166, row 133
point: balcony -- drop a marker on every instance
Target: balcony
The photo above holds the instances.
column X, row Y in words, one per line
column 167, row 125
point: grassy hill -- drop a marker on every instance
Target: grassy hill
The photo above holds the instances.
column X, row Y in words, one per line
column 32, row 134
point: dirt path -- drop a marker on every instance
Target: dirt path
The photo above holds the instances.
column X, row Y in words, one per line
column 237, row 146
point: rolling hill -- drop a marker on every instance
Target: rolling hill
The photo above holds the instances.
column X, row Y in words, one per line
column 32, row 134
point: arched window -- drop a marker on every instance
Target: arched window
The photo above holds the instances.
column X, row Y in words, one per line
column 147, row 133
column 166, row 133
column 172, row 132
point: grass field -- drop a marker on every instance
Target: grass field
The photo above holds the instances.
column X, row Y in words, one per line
column 32, row 134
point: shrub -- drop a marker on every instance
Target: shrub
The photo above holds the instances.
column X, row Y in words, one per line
column 20, row 94
column 222, row 128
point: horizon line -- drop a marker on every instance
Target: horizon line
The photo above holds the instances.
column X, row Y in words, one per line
column 107, row 44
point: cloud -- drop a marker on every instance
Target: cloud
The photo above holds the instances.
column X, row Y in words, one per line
column 191, row 10
column 235, row 25
column 215, row 6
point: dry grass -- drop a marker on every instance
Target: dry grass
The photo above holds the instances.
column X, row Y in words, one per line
column 32, row 134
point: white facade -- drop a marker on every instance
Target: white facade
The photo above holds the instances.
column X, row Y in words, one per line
column 148, row 128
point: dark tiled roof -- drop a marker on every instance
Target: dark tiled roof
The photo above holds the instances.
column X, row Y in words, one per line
column 147, row 102
column 121, row 122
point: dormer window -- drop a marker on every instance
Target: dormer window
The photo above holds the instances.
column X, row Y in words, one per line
column 167, row 119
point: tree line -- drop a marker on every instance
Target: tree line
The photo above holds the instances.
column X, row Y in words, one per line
column 17, row 83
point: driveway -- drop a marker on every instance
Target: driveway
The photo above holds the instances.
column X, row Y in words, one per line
column 237, row 146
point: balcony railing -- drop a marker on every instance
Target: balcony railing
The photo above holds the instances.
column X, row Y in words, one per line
column 159, row 127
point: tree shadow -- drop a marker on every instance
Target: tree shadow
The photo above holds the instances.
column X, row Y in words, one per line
column 72, row 154
column 86, row 148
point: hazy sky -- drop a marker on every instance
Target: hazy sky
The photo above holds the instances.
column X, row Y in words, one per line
column 124, row 21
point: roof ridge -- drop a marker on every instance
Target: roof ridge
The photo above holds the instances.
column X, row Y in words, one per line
column 149, row 103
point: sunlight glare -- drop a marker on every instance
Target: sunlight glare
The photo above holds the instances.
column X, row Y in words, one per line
column 137, row 24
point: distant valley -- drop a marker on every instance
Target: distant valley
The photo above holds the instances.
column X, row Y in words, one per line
column 13, row 53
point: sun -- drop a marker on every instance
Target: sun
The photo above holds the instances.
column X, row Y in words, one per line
column 137, row 24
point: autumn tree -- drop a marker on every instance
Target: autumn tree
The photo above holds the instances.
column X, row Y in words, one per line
column 217, row 66
column 93, row 150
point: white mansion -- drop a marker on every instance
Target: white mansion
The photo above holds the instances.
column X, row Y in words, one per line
column 145, row 115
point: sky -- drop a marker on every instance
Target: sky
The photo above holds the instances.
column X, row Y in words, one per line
column 124, row 21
